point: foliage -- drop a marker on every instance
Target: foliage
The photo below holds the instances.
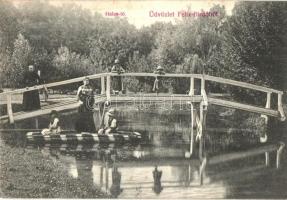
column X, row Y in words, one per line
column 254, row 45
column 257, row 35
column 20, row 59
column 71, row 65
column 68, row 41
column 116, row 41
column 9, row 26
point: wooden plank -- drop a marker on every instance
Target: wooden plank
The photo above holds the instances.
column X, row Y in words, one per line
column 48, row 85
column 108, row 91
column 206, row 77
column 245, row 107
column 45, row 111
column 241, row 84
column 175, row 99
column 204, row 96
column 268, row 105
column 191, row 129
column 159, row 162
column 191, row 88
column 280, row 108
column 143, row 74
column 202, row 84
column 268, row 100
column 103, row 87
column 243, row 154
column 9, row 109
column 199, row 76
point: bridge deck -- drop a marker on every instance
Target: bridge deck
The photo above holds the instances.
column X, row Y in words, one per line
column 62, row 106
column 146, row 98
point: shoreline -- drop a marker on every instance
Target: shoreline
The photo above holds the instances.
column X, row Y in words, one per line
column 27, row 173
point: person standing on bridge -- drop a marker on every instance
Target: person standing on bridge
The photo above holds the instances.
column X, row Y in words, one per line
column 117, row 85
column 158, row 84
column 196, row 68
column 85, row 96
column 31, row 99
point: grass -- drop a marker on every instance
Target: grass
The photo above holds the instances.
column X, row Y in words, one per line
column 30, row 174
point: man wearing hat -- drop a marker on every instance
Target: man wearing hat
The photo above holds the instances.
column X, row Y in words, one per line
column 110, row 122
column 117, row 80
column 159, row 70
column 157, row 85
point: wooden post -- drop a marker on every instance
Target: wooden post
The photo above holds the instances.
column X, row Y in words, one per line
column 268, row 105
column 267, row 159
column 202, row 170
column 108, row 91
column 9, row 109
column 202, row 85
column 122, row 82
column 278, row 154
column 101, row 176
column 103, row 85
column 191, row 88
column 202, row 121
column 107, row 175
column 268, row 101
column 191, row 128
column 200, row 152
column 280, row 107
column 36, row 123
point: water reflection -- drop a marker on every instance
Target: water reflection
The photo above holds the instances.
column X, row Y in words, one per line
column 157, row 188
column 159, row 169
column 113, row 169
column 122, row 173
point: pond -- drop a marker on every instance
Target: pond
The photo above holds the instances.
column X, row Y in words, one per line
column 157, row 167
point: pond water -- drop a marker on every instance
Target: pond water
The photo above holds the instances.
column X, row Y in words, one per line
column 157, row 167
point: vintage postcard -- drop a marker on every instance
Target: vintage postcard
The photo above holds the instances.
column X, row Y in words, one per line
column 143, row 99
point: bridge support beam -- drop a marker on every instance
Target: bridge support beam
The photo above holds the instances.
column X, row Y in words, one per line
column 280, row 107
column 191, row 87
column 266, row 118
column 191, row 128
column 103, row 87
column 202, row 117
column 9, row 109
column 108, row 91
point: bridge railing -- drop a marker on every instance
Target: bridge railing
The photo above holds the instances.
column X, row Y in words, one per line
column 8, row 94
column 106, row 87
column 204, row 78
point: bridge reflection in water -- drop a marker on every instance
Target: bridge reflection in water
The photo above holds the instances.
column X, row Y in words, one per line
column 147, row 172
column 232, row 171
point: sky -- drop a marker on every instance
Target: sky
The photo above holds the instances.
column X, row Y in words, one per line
column 141, row 12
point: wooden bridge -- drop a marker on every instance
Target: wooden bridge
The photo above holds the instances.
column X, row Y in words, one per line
column 198, row 115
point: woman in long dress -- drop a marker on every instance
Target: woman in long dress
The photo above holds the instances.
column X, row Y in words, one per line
column 85, row 120
column 31, row 99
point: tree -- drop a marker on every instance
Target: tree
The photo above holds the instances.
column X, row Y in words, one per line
column 71, row 65
column 21, row 58
column 9, row 26
column 115, row 39
column 256, row 43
